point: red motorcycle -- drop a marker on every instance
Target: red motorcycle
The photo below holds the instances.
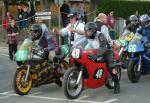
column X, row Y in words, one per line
column 87, row 72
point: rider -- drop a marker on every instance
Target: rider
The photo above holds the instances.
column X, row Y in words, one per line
column 43, row 39
column 98, row 41
column 144, row 28
column 133, row 25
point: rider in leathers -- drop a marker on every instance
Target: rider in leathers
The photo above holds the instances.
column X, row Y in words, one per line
column 44, row 39
column 144, row 28
column 97, row 40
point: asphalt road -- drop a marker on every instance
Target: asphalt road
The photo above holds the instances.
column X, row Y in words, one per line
column 51, row 93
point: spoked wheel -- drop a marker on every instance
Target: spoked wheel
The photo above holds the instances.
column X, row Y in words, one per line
column 133, row 73
column 71, row 89
column 110, row 83
column 21, row 86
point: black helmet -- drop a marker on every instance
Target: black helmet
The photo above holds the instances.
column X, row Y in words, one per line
column 144, row 20
column 133, row 18
column 90, row 30
column 36, row 31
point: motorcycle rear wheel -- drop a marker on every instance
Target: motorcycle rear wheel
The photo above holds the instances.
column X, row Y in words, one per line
column 64, row 65
column 110, row 83
column 21, row 86
column 71, row 89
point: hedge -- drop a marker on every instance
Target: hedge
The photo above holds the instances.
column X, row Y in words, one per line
column 124, row 8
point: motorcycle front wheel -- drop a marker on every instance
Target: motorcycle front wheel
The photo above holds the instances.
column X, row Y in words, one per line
column 71, row 89
column 133, row 73
column 21, row 86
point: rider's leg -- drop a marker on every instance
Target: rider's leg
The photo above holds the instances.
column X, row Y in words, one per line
column 108, row 56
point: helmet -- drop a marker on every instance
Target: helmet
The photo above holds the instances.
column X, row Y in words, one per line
column 36, row 32
column 133, row 18
column 90, row 30
column 144, row 20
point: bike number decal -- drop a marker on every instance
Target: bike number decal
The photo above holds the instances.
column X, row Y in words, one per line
column 132, row 48
column 75, row 53
column 98, row 74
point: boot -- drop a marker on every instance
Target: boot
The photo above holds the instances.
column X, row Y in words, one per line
column 117, row 88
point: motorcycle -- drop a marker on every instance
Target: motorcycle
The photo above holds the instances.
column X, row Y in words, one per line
column 123, row 43
column 87, row 72
column 35, row 69
column 140, row 58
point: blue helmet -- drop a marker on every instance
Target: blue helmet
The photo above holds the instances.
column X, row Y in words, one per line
column 144, row 20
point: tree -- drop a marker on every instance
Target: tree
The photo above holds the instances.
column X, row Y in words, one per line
column 94, row 4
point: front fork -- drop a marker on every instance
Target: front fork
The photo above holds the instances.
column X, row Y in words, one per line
column 79, row 77
column 139, row 65
column 28, row 70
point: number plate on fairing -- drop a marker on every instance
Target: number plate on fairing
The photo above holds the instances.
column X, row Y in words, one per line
column 98, row 73
column 76, row 53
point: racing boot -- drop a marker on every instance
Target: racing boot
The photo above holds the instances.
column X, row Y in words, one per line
column 116, row 81
column 117, row 88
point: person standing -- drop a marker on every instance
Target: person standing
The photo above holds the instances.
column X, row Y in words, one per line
column 12, row 32
column 7, row 20
column 107, row 50
column 74, row 30
column 101, row 22
column 64, row 9
column 19, row 17
column 111, row 25
column 81, row 11
column 25, row 16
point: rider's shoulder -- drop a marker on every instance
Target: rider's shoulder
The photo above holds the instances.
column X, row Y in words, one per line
column 139, row 29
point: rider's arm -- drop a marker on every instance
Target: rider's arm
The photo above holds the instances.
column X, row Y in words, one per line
column 79, row 29
column 49, row 40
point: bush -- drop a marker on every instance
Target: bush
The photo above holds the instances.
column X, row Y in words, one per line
column 124, row 8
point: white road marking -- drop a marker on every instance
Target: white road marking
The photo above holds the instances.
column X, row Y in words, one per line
column 4, row 97
column 83, row 97
column 7, row 92
column 35, row 93
column 111, row 100
column 4, row 55
column 57, row 99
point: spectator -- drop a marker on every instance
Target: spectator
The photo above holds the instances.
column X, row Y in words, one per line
column 111, row 24
column 101, row 22
column 85, row 17
column 25, row 16
column 72, row 8
column 74, row 30
column 81, row 11
column 12, row 32
column 6, row 20
column 32, row 12
column 19, row 17
column 64, row 9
